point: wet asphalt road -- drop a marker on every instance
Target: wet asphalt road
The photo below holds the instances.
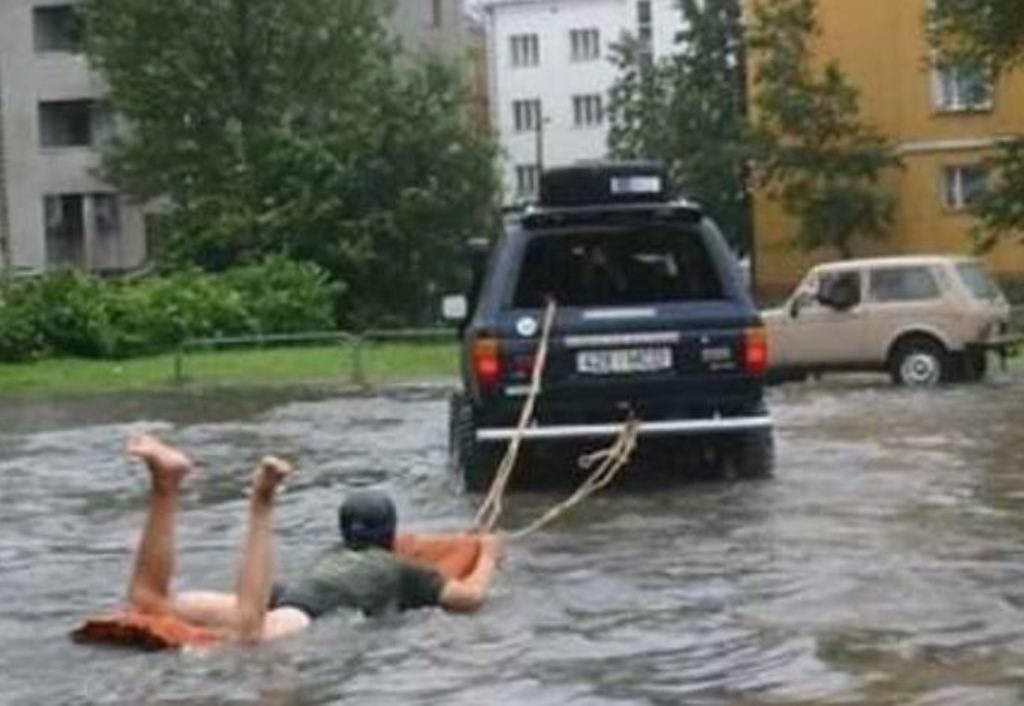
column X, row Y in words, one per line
column 883, row 565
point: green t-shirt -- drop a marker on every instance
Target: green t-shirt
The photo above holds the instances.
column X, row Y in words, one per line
column 372, row 580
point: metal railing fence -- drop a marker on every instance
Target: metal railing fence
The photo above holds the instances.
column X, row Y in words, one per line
column 354, row 342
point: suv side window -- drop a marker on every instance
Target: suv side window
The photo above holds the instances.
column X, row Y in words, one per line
column 614, row 268
column 902, row 284
column 843, row 284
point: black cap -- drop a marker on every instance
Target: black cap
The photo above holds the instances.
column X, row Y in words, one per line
column 367, row 518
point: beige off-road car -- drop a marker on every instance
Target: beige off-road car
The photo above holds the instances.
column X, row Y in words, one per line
column 923, row 319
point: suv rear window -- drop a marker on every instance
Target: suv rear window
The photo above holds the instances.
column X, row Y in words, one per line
column 977, row 281
column 617, row 268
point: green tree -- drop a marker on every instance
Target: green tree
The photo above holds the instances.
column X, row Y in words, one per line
column 293, row 128
column 989, row 34
column 688, row 110
column 814, row 154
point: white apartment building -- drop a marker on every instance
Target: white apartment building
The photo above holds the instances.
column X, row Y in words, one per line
column 54, row 209
column 550, row 74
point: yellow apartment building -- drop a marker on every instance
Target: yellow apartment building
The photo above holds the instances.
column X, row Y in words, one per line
column 942, row 122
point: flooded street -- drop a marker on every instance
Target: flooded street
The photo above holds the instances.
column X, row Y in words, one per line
column 883, row 565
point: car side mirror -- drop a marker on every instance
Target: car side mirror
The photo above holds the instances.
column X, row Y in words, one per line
column 795, row 306
column 802, row 298
column 454, row 308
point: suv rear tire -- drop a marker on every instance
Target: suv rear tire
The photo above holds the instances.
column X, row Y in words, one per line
column 473, row 463
column 751, row 454
column 919, row 362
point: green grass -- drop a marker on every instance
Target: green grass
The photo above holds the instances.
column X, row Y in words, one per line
column 332, row 365
column 383, row 363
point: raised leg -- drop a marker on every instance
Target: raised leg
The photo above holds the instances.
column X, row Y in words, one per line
column 255, row 570
column 149, row 587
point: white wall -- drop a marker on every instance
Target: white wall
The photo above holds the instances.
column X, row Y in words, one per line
column 556, row 79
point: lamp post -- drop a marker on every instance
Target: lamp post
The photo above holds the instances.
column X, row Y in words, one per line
column 541, row 120
column 540, row 141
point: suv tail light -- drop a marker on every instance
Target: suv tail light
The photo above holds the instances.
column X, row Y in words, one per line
column 486, row 363
column 755, row 351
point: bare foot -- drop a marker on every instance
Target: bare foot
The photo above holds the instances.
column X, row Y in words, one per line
column 167, row 464
column 269, row 474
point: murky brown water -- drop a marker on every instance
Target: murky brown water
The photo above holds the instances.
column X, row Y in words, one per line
column 883, row 565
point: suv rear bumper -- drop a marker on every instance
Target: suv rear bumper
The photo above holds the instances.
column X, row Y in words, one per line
column 653, row 428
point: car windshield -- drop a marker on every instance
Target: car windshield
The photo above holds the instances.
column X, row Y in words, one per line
column 615, row 268
column 977, row 281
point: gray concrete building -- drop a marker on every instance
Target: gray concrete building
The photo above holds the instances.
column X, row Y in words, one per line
column 55, row 211
column 433, row 27
column 58, row 212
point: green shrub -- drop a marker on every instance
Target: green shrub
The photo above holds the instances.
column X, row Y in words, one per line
column 20, row 338
column 283, row 296
column 194, row 305
column 72, row 313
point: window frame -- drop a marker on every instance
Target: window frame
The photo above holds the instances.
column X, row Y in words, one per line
column 526, row 114
column 951, row 88
column 75, row 46
column 527, row 175
column 588, row 110
column 99, row 122
column 584, row 44
column 524, row 50
column 954, row 196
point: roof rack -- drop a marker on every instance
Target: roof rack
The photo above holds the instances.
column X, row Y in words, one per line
column 611, row 214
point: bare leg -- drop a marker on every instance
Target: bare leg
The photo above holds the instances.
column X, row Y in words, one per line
column 252, row 586
column 149, row 589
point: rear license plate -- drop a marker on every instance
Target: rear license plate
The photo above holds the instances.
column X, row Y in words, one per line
column 624, row 360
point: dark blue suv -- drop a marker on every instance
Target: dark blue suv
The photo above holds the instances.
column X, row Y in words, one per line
column 653, row 320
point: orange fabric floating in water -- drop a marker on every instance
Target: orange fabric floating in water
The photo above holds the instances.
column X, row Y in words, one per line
column 131, row 628
column 454, row 556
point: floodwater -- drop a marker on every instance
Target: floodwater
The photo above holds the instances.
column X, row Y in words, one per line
column 883, row 565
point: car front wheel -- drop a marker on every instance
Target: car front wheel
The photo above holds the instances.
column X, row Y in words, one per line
column 919, row 362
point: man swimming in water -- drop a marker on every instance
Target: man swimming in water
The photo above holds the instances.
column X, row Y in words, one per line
column 361, row 572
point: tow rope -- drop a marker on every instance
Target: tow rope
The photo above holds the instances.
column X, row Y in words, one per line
column 609, row 461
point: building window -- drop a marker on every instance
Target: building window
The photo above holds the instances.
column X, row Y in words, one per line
column 57, row 28
column 587, row 110
column 645, row 26
column 586, row 44
column 525, row 50
column 963, row 184
column 526, row 115
column 72, row 220
column 106, row 216
column 65, row 230
column 527, row 180
column 77, row 123
column 962, row 87
column 437, row 13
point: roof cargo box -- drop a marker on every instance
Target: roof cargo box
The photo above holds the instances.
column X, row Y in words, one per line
column 604, row 183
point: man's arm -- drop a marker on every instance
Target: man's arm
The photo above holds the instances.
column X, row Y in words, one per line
column 467, row 594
